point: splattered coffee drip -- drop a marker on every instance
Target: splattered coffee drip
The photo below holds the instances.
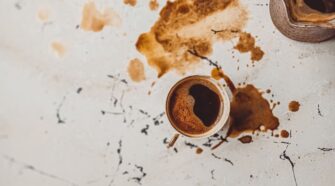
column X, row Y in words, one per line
column 284, row 134
column 130, row 2
column 153, row 5
column 245, row 139
column 294, row 106
column 246, row 43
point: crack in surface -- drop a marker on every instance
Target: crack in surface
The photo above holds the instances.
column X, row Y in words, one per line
column 210, row 62
column 118, row 150
column 38, row 171
column 138, row 179
column 58, row 115
column 145, row 130
column 284, row 156
column 225, row 159
column 212, row 174
column 319, row 111
column 326, row 149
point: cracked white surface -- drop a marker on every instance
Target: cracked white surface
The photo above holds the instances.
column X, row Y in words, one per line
column 37, row 150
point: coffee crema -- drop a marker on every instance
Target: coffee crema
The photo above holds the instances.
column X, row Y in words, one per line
column 195, row 105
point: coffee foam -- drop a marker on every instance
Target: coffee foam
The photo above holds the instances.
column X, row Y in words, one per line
column 182, row 104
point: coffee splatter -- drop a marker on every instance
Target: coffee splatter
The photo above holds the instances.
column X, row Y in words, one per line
column 136, row 70
column 294, row 106
column 94, row 20
column 250, row 111
column 218, row 74
column 284, row 134
column 186, row 25
column 130, row 2
column 246, row 43
column 58, row 48
column 257, row 54
column 199, row 150
column 245, row 139
column 153, row 5
column 43, row 15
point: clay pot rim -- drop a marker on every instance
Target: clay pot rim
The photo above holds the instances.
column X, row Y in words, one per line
column 304, row 24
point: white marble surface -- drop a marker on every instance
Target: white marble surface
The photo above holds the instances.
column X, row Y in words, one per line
column 90, row 148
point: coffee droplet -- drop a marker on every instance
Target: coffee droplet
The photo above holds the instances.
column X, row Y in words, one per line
column 136, row 70
column 43, row 15
column 153, row 5
column 58, row 48
column 245, row 139
column 257, row 54
column 199, row 150
column 284, row 134
column 294, row 106
column 130, row 2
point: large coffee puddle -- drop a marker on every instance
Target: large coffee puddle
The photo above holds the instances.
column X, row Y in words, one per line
column 186, row 25
column 250, row 111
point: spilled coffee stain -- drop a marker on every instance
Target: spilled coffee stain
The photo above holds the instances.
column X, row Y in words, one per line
column 130, row 2
column 246, row 43
column 153, row 5
column 284, row 134
column 245, row 139
column 250, row 111
column 186, row 25
column 294, row 106
column 43, row 15
column 58, row 48
column 94, row 20
column 136, row 70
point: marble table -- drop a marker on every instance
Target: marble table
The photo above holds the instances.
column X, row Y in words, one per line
column 73, row 117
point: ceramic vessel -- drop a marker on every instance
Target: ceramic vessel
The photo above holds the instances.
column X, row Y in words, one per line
column 305, row 31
